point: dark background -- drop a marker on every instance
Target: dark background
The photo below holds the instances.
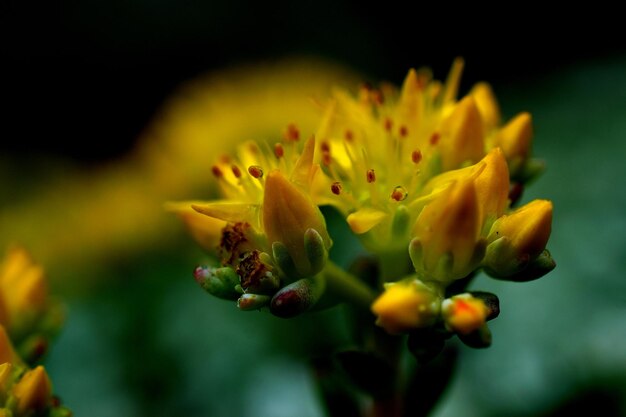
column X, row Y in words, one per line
column 81, row 79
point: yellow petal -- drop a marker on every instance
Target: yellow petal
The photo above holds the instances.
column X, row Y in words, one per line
column 363, row 220
column 7, row 353
column 451, row 88
column 205, row 230
column 515, row 138
column 487, row 105
column 449, row 225
column 5, row 375
column 303, row 172
column 462, row 135
column 230, row 212
column 492, row 185
column 33, row 391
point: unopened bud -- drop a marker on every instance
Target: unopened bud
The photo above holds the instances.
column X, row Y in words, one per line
column 405, row 306
column 288, row 215
column 298, row 297
column 220, row 282
column 33, row 391
column 464, row 313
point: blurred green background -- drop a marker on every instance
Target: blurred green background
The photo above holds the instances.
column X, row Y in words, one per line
column 84, row 81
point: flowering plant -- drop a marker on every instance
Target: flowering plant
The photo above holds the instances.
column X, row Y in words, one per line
column 428, row 183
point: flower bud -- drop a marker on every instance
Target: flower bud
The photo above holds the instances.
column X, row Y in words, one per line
column 33, row 391
column 288, row 215
column 248, row 302
column 406, row 305
column 519, row 238
column 7, row 352
column 447, row 246
column 220, row 282
column 463, row 313
column 298, row 297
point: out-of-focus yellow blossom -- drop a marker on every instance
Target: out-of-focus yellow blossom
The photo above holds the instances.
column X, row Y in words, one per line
column 23, row 391
column 28, row 313
column 7, row 352
column 109, row 211
column 406, row 305
column 463, row 313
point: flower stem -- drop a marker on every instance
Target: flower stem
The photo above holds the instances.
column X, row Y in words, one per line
column 347, row 286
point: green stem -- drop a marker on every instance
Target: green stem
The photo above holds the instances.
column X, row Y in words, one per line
column 347, row 286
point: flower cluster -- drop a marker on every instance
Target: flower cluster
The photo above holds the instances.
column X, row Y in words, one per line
column 428, row 183
column 28, row 319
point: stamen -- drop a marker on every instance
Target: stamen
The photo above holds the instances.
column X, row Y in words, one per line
column 388, row 124
column 399, row 193
column 335, row 187
column 326, row 156
column 434, row 139
column 371, row 176
column 292, row 134
column 236, row 171
column 217, row 171
column 404, row 131
column 377, row 97
column 256, row 171
column 232, row 242
column 279, row 150
column 416, row 156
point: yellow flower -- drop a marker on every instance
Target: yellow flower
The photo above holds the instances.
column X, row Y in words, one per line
column 22, row 284
column 406, row 305
column 386, row 154
column 463, row 313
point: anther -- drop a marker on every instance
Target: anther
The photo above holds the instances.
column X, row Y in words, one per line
column 255, row 171
column 236, row 171
column 325, row 147
column 349, row 135
column 371, row 176
column 377, row 97
column 217, row 171
column 434, row 139
column 399, row 193
column 404, row 131
column 292, row 133
column 388, row 124
column 416, row 156
column 335, row 187
column 279, row 151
